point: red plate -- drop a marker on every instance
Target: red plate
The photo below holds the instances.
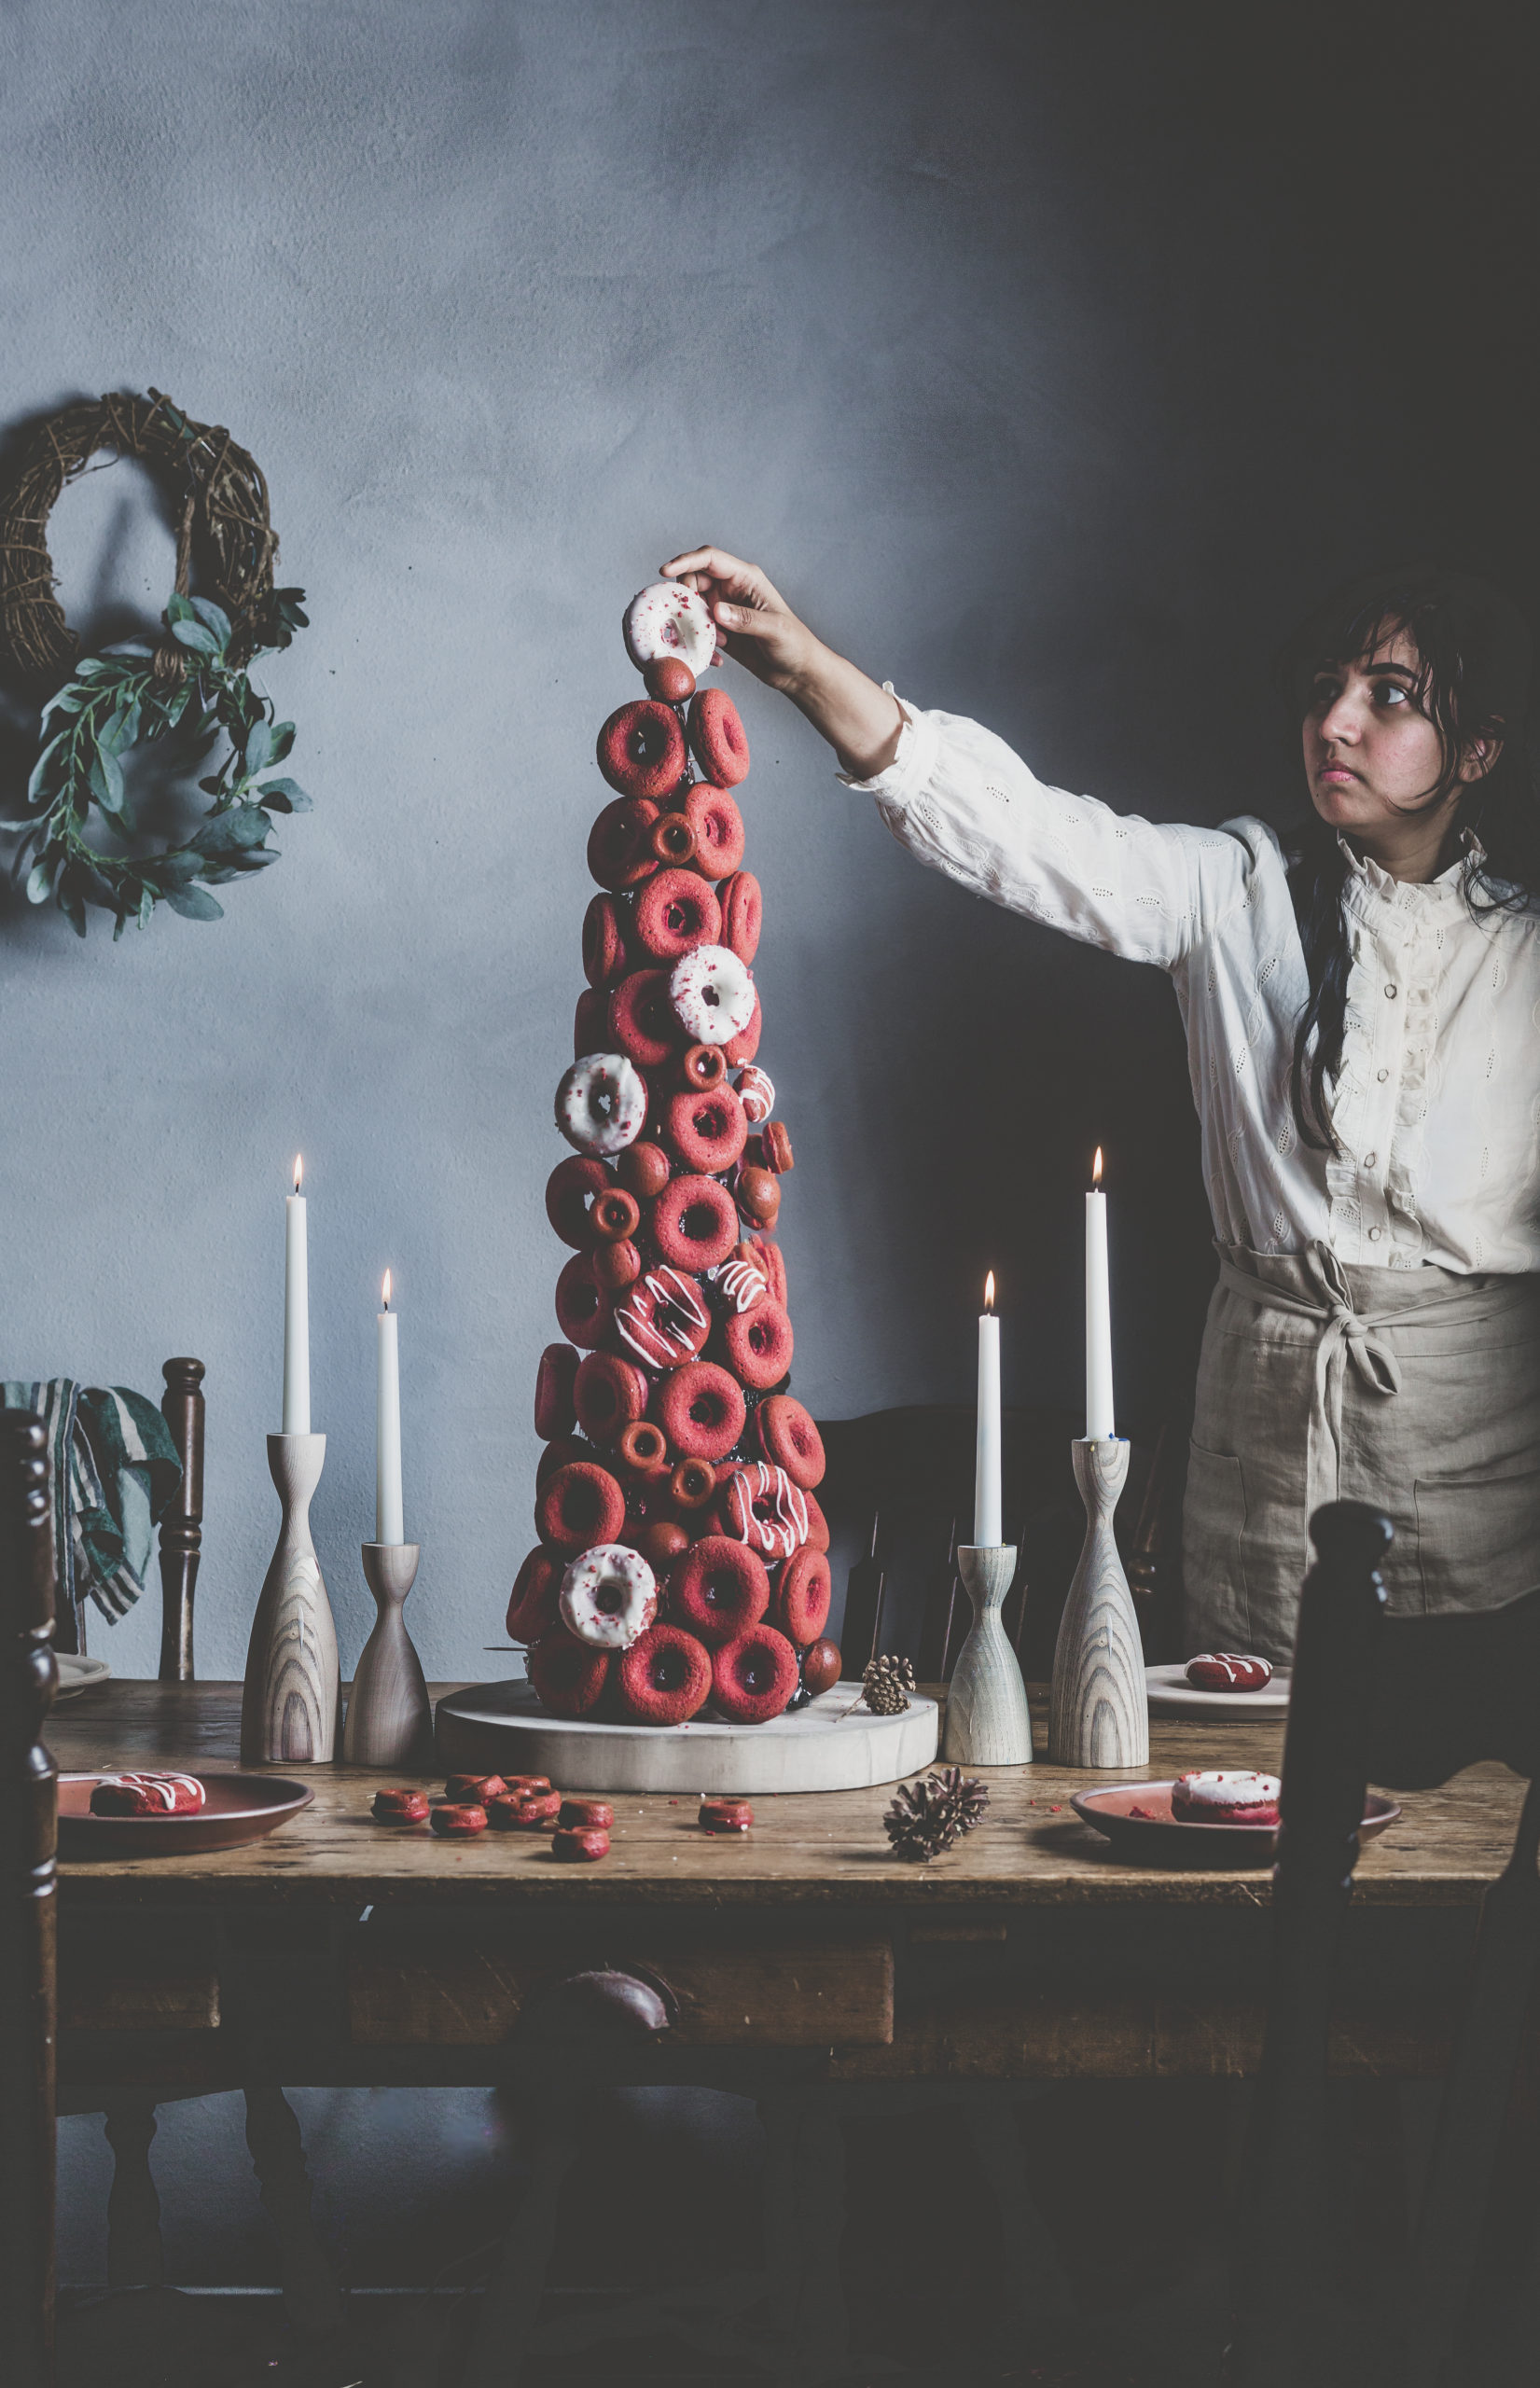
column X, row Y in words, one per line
column 236, row 1808
column 1164, row 1838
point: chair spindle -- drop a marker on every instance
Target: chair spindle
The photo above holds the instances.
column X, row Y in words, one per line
column 182, row 1527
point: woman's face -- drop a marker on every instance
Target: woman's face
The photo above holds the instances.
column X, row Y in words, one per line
column 1372, row 758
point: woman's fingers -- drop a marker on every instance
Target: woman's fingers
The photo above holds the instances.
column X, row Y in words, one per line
column 754, row 623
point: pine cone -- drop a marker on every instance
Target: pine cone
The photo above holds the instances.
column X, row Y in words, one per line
column 927, row 1816
column 888, row 1685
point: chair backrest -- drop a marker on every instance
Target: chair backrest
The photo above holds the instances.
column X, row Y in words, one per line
column 28, row 1930
column 182, row 1526
column 1406, row 1703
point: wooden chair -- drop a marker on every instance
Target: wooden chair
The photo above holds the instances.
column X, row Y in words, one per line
column 1406, row 1703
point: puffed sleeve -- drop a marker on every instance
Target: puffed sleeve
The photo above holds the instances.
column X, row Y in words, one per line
column 960, row 799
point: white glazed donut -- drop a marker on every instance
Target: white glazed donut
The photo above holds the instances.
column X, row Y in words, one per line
column 757, row 1095
column 602, row 1103
column 1219, row 1796
column 765, row 1510
column 609, row 1596
column 667, row 620
column 712, row 993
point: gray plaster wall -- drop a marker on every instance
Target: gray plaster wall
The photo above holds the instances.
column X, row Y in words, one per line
column 1038, row 354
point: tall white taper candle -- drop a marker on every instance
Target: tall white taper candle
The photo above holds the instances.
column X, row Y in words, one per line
column 986, row 1474
column 387, row 1429
column 296, row 1311
column 1099, row 1411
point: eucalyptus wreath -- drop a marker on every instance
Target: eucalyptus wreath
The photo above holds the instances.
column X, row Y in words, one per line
column 193, row 690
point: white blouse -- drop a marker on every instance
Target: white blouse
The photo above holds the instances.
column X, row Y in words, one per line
column 1438, row 1104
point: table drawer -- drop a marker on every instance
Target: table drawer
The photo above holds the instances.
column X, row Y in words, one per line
column 138, row 1980
column 404, row 1988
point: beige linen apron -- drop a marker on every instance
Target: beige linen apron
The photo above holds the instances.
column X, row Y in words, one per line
column 1416, row 1390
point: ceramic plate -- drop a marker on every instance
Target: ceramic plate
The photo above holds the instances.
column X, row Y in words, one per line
column 236, row 1808
column 78, row 1675
column 1159, row 1835
column 1171, row 1695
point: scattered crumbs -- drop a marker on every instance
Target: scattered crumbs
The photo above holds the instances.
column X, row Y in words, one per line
column 1055, row 1810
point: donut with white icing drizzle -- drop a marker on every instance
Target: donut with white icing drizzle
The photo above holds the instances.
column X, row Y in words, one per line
column 1228, row 1671
column 762, row 1506
column 663, row 1319
column 146, row 1794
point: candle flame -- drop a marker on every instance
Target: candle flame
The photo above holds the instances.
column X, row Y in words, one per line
column 298, row 1170
column 384, row 1291
column 989, row 1291
column 1096, row 1168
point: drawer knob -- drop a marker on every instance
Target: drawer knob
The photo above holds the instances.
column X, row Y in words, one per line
column 607, row 2000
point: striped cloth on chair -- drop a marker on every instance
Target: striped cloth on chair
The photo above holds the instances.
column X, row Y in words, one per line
column 113, row 1468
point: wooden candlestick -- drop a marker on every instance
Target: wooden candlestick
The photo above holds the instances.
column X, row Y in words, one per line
column 987, row 1722
column 288, row 1709
column 1099, row 1713
column 389, row 1721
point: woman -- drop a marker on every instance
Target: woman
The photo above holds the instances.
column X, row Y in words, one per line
column 1361, row 1009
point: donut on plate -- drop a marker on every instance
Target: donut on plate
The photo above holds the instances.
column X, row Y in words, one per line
column 582, row 1305
column 554, row 1379
column 718, row 1589
column 1228, row 1671
column 642, row 1019
column 757, row 1095
column 604, row 946
column 754, row 1677
column 700, row 1409
column 573, row 1185
column 675, row 910
column 663, row 1319
column 705, row 1131
column 742, row 909
column 619, row 849
column 569, row 1676
column 609, row 1596
column 146, row 1794
column 581, row 1506
column 694, row 1223
column 718, row 827
column 609, row 1393
column 759, row 1345
column 789, row 1438
column 799, row 1605
column 761, row 1507
column 667, row 620
column 717, row 739
column 1221, row 1796
column 602, row 1103
column 641, row 749
column 710, row 994
column 744, row 1046
column 665, row 1677
column 531, row 1602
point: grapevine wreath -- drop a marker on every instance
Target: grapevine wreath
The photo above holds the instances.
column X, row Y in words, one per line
column 194, row 682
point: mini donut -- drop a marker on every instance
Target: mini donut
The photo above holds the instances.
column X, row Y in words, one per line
column 604, row 948
column 582, row 1305
column 724, row 1815
column 665, row 1677
column 580, row 1507
column 665, row 621
column 700, row 1410
column 670, row 679
column 742, row 1047
column 554, row 1413
column 643, row 1171
column 718, row 1589
column 641, row 750
column 146, row 1794
column 642, row 1450
column 742, row 909
column 818, row 1525
column 705, row 1131
column 609, row 1595
column 756, row 1195
column 703, row 1067
column 739, row 1280
column 692, row 1484
column 582, row 1847
column 822, row 1667
column 522, row 1811
column 757, row 1095
column 478, row 1788
column 576, row 1815
column 569, row 1676
column 406, row 1807
column 616, row 1266
column 1219, row 1796
column 617, row 1213
column 789, row 1438
column 559, row 1453
column 753, row 1678
column 694, row 1223
column 761, row 1507
column 775, row 1148
column 642, row 1019
column 676, row 910
column 602, row 1103
column 590, row 1022
column 710, row 994
column 459, row 1822
column 620, row 851
column 800, row 1607
column 759, row 1345
column 1228, row 1671
column 531, row 1602
column 609, row 1395
column 674, row 840
column 717, row 739
column 718, row 827
column 773, row 1261
column 664, row 1318
column 660, row 1542
column 574, row 1186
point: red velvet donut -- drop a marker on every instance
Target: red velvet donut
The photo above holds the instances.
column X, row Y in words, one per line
column 568, row 1676
column 589, row 1023
column 718, row 1589
column 718, row 827
column 692, row 1484
column 789, row 1438
column 643, row 1171
column 642, row 1021
column 643, row 1451
column 716, row 738
column 573, row 1185
column 580, row 1846
column 818, row 1525
column 694, row 1223
column 660, row 1542
column 641, row 749
column 554, row 1413
column 705, row 1131
column 665, row 1677
column 616, row 1266
column 741, row 909
column 582, row 1305
column 703, row 1067
column 453, row 1823
column 609, row 1395
column 760, row 1505
column 821, row 1666
column 580, row 1507
column 534, row 1598
column 742, row 1047
column 759, row 1346
column 620, row 850
column 758, row 1194
column 616, row 1214
column 561, row 1453
column 604, row 948
column 700, row 1410
column 675, row 910
column 669, row 677
column 663, row 1320
column 799, row 1607
column 753, row 1678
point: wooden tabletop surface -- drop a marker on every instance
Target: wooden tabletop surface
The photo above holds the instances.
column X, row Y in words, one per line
column 811, row 1849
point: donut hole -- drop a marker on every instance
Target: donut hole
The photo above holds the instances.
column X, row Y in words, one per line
column 668, row 1667
column 698, row 1223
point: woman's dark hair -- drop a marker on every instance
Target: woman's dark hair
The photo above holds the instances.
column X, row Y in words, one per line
column 1473, row 648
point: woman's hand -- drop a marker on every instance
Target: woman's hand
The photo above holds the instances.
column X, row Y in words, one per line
column 758, row 630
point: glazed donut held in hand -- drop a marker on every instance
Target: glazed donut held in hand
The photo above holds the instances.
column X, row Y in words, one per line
column 667, row 622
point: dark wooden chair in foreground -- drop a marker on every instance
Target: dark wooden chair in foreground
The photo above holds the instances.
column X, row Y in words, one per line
column 1406, row 1704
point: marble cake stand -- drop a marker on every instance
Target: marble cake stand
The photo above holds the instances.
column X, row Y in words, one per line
column 826, row 1746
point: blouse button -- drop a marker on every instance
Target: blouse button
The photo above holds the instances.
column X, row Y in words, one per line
column 1390, row 992
column 1374, row 1235
column 1369, row 1160
column 1381, row 1076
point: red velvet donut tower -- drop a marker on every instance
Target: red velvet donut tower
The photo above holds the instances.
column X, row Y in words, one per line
column 665, row 1411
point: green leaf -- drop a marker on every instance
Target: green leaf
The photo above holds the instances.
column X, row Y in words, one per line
column 72, row 908
column 175, row 869
column 282, row 741
column 180, row 609
column 244, row 825
column 214, row 618
column 43, row 769
column 106, row 780
column 135, row 646
column 40, row 878
column 111, row 733
column 259, row 748
column 194, row 904
column 283, row 795
column 146, row 907
column 91, row 669
column 66, row 702
column 193, row 635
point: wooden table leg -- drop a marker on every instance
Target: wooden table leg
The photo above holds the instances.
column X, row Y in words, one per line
column 550, row 2136
column 311, row 2298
